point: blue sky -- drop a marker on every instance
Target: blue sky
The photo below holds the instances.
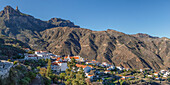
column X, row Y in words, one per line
column 128, row 16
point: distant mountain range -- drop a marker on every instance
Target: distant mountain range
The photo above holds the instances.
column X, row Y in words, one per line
column 63, row 37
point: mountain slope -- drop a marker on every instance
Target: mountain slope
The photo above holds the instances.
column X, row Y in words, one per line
column 109, row 46
column 62, row 37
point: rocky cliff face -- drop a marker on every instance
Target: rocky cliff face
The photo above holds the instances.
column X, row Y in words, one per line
column 62, row 37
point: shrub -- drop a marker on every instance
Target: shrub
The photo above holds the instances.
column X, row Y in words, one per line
column 9, row 60
column 30, row 52
column 15, row 62
column 28, row 79
column 38, row 67
column 24, row 82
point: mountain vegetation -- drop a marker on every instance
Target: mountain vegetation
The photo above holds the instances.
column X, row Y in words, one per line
column 10, row 47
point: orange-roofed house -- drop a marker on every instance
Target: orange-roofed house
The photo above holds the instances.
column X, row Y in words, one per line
column 55, row 67
column 43, row 54
column 26, row 49
column 77, row 58
column 90, row 76
column 156, row 73
column 107, row 71
column 59, row 66
column 86, row 68
column 83, row 66
column 122, row 78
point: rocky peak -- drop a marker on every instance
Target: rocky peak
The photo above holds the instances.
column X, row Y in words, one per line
column 8, row 10
column 61, row 22
column 17, row 8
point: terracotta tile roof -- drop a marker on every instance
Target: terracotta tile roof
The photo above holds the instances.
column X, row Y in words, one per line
column 93, row 60
column 58, row 59
column 75, row 57
column 107, row 71
column 54, row 63
column 90, row 75
column 26, row 48
column 37, row 51
column 83, row 66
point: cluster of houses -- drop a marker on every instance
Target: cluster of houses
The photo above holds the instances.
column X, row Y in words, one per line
column 39, row 55
column 60, row 65
column 5, row 67
column 161, row 73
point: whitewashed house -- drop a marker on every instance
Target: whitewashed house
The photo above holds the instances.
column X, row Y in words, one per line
column 43, row 54
column 150, row 76
column 59, row 65
column 107, row 72
column 119, row 68
column 30, row 56
column 90, row 76
column 38, row 55
column 156, row 73
column 112, row 67
column 106, row 64
column 141, row 70
column 63, row 65
column 55, row 67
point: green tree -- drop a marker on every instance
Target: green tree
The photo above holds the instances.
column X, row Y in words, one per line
column 38, row 67
column 68, row 82
column 15, row 62
column 28, row 79
column 23, row 82
column 168, row 79
column 49, row 72
column 47, row 80
column 31, row 75
column 30, row 52
column 121, row 82
column 62, row 76
column 42, row 71
column 9, row 60
column 75, row 82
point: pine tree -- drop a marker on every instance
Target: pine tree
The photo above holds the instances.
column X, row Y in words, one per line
column 48, row 72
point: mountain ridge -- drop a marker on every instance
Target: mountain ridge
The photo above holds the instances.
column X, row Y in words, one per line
column 62, row 37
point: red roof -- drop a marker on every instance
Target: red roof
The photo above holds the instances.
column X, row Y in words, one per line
column 90, row 75
column 26, row 48
column 93, row 60
column 75, row 57
column 83, row 66
column 54, row 63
